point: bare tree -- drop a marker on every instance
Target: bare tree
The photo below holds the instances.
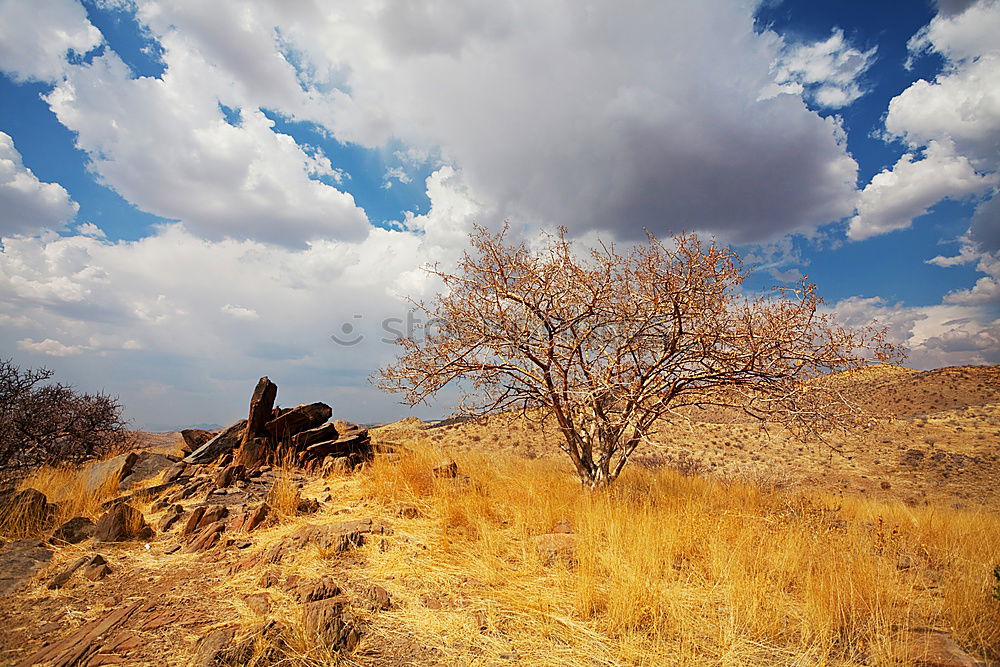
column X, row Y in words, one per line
column 607, row 343
column 51, row 423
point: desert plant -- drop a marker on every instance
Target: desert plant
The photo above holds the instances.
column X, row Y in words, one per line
column 607, row 343
column 52, row 423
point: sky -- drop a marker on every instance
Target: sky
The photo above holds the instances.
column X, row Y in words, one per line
column 193, row 195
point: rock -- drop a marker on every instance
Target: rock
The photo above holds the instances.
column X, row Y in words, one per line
column 204, row 515
column 74, row 531
column 19, row 561
column 175, row 472
column 228, row 475
column 377, row 597
column 223, row 443
column 884, row 485
column 96, row 568
column 60, row 579
column 109, row 473
column 556, row 546
column 931, row 648
column 912, row 457
column 317, row 589
column 212, row 646
column 298, row 419
column 170, row 518
column 311, row 436
column 326, row 623
column 25, row 512
column 255, row 517
column 147, row 465
column 261, row 408
column 121, row 523
column 449, row 469
column 409, row 511
column 205, row 539
column 307, row 506
column 82, row 647
column 348, row 443
column 194, row 438
column 260, row 603
column 268, row 579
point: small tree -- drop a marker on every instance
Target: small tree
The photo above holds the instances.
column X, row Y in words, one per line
column 51, row 423
column 608, row 343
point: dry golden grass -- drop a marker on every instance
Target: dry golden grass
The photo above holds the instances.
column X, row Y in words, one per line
column 670, row 569
column 67, row 488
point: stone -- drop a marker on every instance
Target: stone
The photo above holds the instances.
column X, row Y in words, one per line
column 912, row 456
column 204, row 515
column 83, row 645
column 268, row 579
column 260, row 603
column 170, row 518
column 307, row 506
column 147, row 465
column 108, row 474
column 223, row 443
column 327, row 623
column 60, row 579
column 261, row 408
column 205, row 539
column 317, row 589
column 298, row 419
column 931, row 648
column 448, row 469
column 96, row 568
column 74, row 531
column 556, row 546
column 409, row 511
column 212, row 646
column 195, row 438
column 26, row 512
column 255, row 517
column 228, row 475
column 311, row 436
column 377, row 597
column 175, row 472
column 122, row 523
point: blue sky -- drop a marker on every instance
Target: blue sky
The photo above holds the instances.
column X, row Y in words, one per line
column 196, row 194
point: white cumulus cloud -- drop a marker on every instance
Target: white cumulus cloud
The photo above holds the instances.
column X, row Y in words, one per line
column 36, row 37
column 27, row 205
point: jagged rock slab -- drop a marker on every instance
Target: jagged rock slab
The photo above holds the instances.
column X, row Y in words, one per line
column 87, row 641
column 298, row 419
column 323, row 433
column 114, row 470
column 228, row 440
column 146, row 466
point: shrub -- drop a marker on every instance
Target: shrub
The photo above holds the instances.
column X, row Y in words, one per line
column 46, row 423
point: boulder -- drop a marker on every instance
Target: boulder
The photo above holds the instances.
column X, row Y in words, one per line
column 228, row 475
column 96, row 568
column 25, row 512
column 254, row 517
column 212, row 646
column 109, row 472
column 195, row 438
column 326, row 432
column 932, row 648
column 170, row 518
column 63, row 576
column 147, row 465
column 175, row 472
column 327, row 623
column 74, row 531
column 224, row 443
column 120, row 524
column 204, row 515
column 316, row 589
column 261, row 408
column 298, row 419
column 206, row 538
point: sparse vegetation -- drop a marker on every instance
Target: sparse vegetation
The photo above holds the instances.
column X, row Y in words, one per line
column 606, row 344
column 52, row 423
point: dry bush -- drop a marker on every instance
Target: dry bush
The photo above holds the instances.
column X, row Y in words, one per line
column 45, row 423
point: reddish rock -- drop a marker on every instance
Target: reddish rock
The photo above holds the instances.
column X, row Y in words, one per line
column 96, row 568
column 261, row 408
column 170, row 518
column 449, row 469
column 930, row 648
column 26, row 511
column 203, row 516
column 74, row 531
column 311, row 436
column 327, row 623
column 122, row 523
column 298, row 419
column 255, row 517
column 82, row 646
column 260, row 603
column 205, row 538
column 195, row 438
column 60, row 579
column 228, row 475
column 220, row 445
